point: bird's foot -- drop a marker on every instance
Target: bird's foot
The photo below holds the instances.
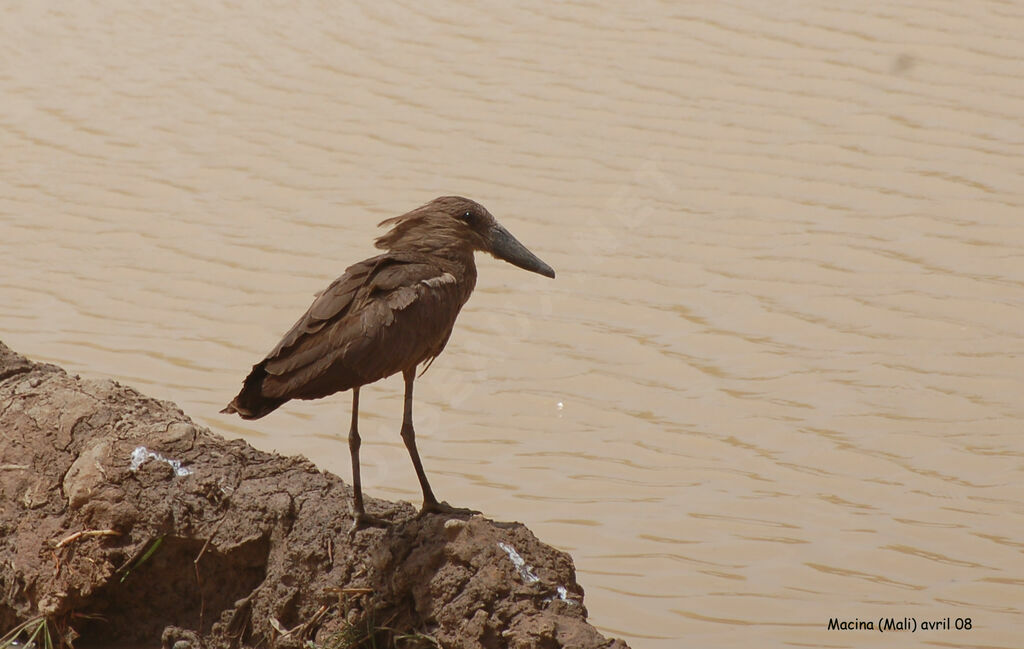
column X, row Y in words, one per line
column 362, row 520
column 434, row 507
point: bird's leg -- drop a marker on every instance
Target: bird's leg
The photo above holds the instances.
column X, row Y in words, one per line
column 409, row 437
column 430, row 503
column 354, row 442
column 360, row 517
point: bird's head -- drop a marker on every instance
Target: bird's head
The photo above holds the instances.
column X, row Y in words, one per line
column 453, row 222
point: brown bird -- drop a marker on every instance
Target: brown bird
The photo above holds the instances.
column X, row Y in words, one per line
column 386, row 314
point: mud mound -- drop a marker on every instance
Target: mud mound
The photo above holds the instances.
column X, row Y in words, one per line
column 125, row 523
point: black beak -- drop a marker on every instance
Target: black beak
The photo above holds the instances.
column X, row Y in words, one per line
column 505, row 246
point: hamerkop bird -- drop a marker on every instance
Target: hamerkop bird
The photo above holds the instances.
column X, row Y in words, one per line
column 386, row 314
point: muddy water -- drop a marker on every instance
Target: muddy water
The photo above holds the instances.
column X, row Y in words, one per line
column 778, row 379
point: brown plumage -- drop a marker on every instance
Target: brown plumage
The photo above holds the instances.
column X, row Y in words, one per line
column 385, row 315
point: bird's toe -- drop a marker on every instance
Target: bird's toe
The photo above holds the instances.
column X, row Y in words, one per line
column 362, row 520
column 444, row 508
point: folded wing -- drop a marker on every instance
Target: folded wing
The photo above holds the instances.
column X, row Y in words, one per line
column 384, row 315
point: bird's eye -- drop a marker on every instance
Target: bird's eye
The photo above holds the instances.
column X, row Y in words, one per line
column 467, row 217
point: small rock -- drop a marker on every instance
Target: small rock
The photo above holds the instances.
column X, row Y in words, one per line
column 177, row 638
column 85, row 474
column 179, row 431
column 453, row 526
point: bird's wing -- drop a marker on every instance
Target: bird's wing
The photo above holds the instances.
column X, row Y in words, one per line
column 347, row 336
column 329, row 303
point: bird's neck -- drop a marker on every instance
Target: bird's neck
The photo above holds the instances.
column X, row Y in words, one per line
column 456, row 259
column 462, row 260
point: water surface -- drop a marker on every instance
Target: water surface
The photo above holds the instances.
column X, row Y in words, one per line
column 778, row 378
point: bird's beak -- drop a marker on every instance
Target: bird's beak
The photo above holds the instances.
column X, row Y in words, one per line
column 505, row 246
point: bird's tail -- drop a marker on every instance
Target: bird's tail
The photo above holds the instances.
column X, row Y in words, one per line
column 250, row 403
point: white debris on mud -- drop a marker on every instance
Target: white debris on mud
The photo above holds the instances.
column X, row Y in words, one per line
column 141, row 455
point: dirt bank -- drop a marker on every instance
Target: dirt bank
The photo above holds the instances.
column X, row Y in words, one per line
column 123, row 522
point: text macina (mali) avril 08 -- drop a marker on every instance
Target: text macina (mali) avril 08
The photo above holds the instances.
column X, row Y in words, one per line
column 900, row 624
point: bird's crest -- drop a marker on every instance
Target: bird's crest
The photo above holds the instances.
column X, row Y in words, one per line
column 432, row 226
